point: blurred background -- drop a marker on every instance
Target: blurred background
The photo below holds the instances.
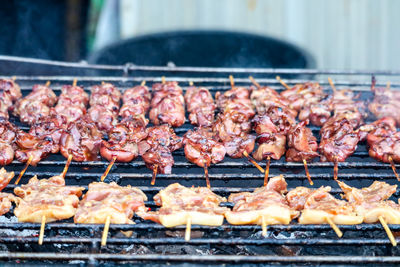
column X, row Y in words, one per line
column 340, row 34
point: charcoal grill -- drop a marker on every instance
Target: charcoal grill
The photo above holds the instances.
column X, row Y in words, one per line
column 150, row 243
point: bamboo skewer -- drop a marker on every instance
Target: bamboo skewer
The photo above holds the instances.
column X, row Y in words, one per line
column 66, row 166
column 394, row 168
column 47, row 84
column 332, row 84
column 283, row 83
column 388, row 231
column 143, row 83
column 153, row 179
column 253, row 161
column 41, row 233
column 24, row 169
column 188, row 228
column 13, row 78
column 190, row 83
column 253, row 81
column 307, row 172
column 105, row 231
column 266, row 174
column 206, row 175
column 108, row 168
column 74, row 82
column 232, row 81
column 162, row 79
column 335, row 169
column 334, row 227
column 263, row 226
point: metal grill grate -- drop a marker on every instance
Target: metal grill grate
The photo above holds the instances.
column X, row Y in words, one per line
column 294, row 243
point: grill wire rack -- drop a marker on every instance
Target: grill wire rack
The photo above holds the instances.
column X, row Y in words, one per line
column 66, row 242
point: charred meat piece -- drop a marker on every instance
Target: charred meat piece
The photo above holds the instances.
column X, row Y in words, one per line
column 386, row 103
column 122, row 141
column 237, row 146
column 157, row 147
column 302, row 145
column 371, row 202
column 8, row 133
column 265, row 203
column 318, row 205
column 381, row 128
column 264, row 98
column 343, row 104
column 33, row 148
column 72, row 103
column 167, row 104
column 200, row 105
column 338, row 140
column 384, row 147
column 110, row 200
column 46, row 197
column 179, row 203
column 104, row 106
column 9, row 93
column 201, row 147
column 37, row 104
column 50, row 129
column 136, row 103
column 82, row 140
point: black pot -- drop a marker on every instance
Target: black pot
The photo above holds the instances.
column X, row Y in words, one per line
column 204, row 49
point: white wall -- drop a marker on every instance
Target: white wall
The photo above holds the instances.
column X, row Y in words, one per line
column 357, row 34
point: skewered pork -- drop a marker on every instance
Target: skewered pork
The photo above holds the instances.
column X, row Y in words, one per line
column 72, row 103
column 201, row 147
column 179, row 203
column 7, row 138
column 157, row 147
column 371, row 202
column 386, row 103
column 82, row 140
column 9, row 93
column 318, row 205
column 266, row 203
column 46, row 197
column 136, row 103
column 263, row 98
column 302, row 144
column 104, row 106
column 110, row 200
column 200, row 105
column 167, row 104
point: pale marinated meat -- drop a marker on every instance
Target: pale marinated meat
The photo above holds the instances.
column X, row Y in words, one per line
column 82, row 140
column 167, row 104
column 297, row 197
column 5, row 178
column 179, row 203
column 6, row 202
column 46, row 197
column 302, row 144
column 200, row 105
column 201, row 148
column 371, row 202
column 110, row 200
column 319, row 205
column 265, row 203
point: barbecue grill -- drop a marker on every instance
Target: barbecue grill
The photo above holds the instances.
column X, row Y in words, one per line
column 66, row 242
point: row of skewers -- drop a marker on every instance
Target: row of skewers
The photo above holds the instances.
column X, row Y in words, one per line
column 64, row 124
column 49, row 200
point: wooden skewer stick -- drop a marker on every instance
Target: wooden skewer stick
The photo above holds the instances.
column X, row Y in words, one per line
column 13, row 78
column 232, row 81
column 283, row 83
column 335, row 169
column 191, row 83
column 254, row 82
column 388, row 86
column 188, row 228
column 394, row 168
column 267, row 171
column 103, row 83
column 163, row 79
column 105, row 231
column 74, row 82
column 206, row 175
column 153, row 179
column 143, row 83
column 24, row 169
column 332, row 84
column 263, row 226
column 388, row 231
column 307, row 172
column 108, row 168
column 47, row 84
column 41, row 233
column 66, row 166
column 253, row 161
column 334, row 227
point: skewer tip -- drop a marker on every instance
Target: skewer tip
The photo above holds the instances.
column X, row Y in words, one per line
column 41, row 233
column 47, row 84
column 251, row 160
column 143, row 83
column 74, row 82
column 69, row 159
column 188, row 228
column 191, row 83
column 105, row 231
column 108, row 168
column 153, row 179
column 263, row 226
column 163, row 79
column 24, row 169
column 338, row 232
column 232, row 81
column 388, row 231
column 266, row 174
